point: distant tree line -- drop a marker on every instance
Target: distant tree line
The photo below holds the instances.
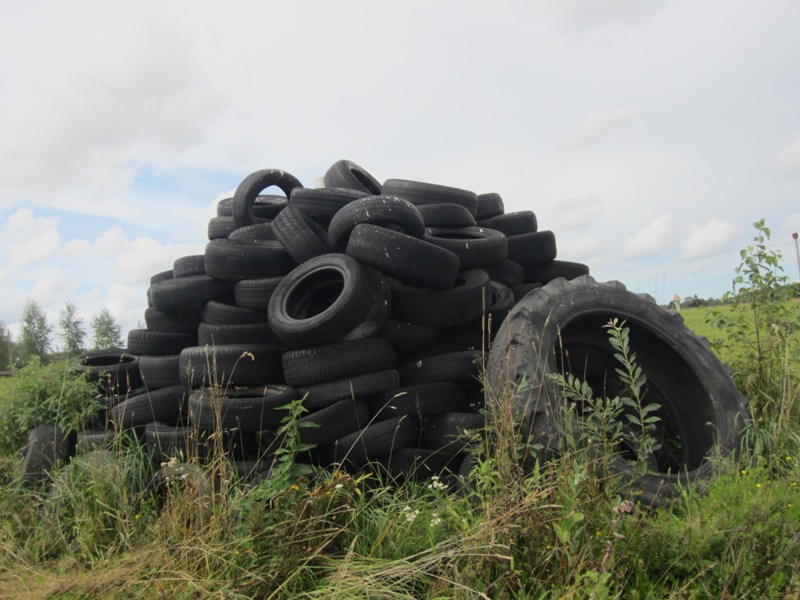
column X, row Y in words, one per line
column 36, row 335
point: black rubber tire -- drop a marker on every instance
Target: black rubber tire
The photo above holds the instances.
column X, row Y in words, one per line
column 45, row 448
column 424, row 400
column 501, row 302
column 246, row 409
column 520, row 291
column 167, row 442
column 513, row 223
column 111, row 372
column 373, row 442
column 234, row 260
column 408, row 336
column 183, row 320
column 89, row 440
column 301, row 236
column 507, row 272
column 260, row 232
column 177, row 294
column 361, row 386
column 264, row 206
column 560, row 268
column 161, row 276
column 419, row 192
column 167, row 405
column 189, row 266
column 459, row 367
column 337, row 361
column 321, row 204
column 385, row 211
column 451, row 433
column 325, row 426
column 347, row 174
column 325, row 299
column 702, row 412
column 490, row 205
column 158, row 343
column 446, row 215
column 532, row 248
column 407, row 258
column 475, row 247
column 220, row 227
column 237, row 365
column 258, row 334
column 249, row 188
column 462, row 303
column 160, row 371
column 221, row 313
column 255, row 293
column 417, row 463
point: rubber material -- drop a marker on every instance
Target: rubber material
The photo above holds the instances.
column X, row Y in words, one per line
column 560, row 327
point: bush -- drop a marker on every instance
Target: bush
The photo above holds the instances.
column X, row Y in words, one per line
column 44, row 394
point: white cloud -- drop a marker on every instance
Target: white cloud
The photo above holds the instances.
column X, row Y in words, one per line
column 710, row 239
column 657, row 237
column 77, row 249
column 26, row 239
column 127, row 90
column 789, row 156
column 597, row 125
column 583, row 16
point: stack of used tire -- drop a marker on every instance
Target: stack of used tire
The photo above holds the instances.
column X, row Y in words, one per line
column 371, row 305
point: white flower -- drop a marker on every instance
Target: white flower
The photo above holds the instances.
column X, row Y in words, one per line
column 436, row 485
column 411, row 515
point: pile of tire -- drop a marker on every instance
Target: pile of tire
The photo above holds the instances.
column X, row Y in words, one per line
column 373, row 306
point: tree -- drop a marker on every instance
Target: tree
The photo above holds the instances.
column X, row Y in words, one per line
column 35, row 332
column 71, row 329
column 106, row 332
column 6, row 348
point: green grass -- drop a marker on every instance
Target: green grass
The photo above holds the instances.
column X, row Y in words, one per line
column 557, row 532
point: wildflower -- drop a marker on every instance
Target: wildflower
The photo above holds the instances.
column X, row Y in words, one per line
column 435, row 519
column 743, row 471
column 338, row 486
column 411, row 515
column 436, row 485
column 788, row 458
column 758, row 485
column 294, row 487
column 136, row 517
column 793, row 484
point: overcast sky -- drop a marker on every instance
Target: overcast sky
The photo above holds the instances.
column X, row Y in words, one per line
column 647, row 134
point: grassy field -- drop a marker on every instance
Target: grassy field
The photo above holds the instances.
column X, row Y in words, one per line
column 559, row 531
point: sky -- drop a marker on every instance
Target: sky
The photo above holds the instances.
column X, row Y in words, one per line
column 648, row 135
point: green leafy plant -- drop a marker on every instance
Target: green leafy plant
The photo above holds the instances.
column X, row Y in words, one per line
column 621, row 424
column 757, row 333
column 44, row 394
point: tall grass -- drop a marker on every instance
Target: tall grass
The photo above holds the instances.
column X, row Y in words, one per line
column 555, row 529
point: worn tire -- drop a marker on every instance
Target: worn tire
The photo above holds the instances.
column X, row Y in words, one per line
column 561, row 324
column 248, row 190
column 405, row 257
column 337, row 361
column 327, row 299
column 347, row 174
column 384, row 211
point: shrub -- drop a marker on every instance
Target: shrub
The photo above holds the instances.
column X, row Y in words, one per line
column 44, row 394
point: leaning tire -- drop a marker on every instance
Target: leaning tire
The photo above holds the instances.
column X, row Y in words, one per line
column 327, row 299
column 701, row 411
